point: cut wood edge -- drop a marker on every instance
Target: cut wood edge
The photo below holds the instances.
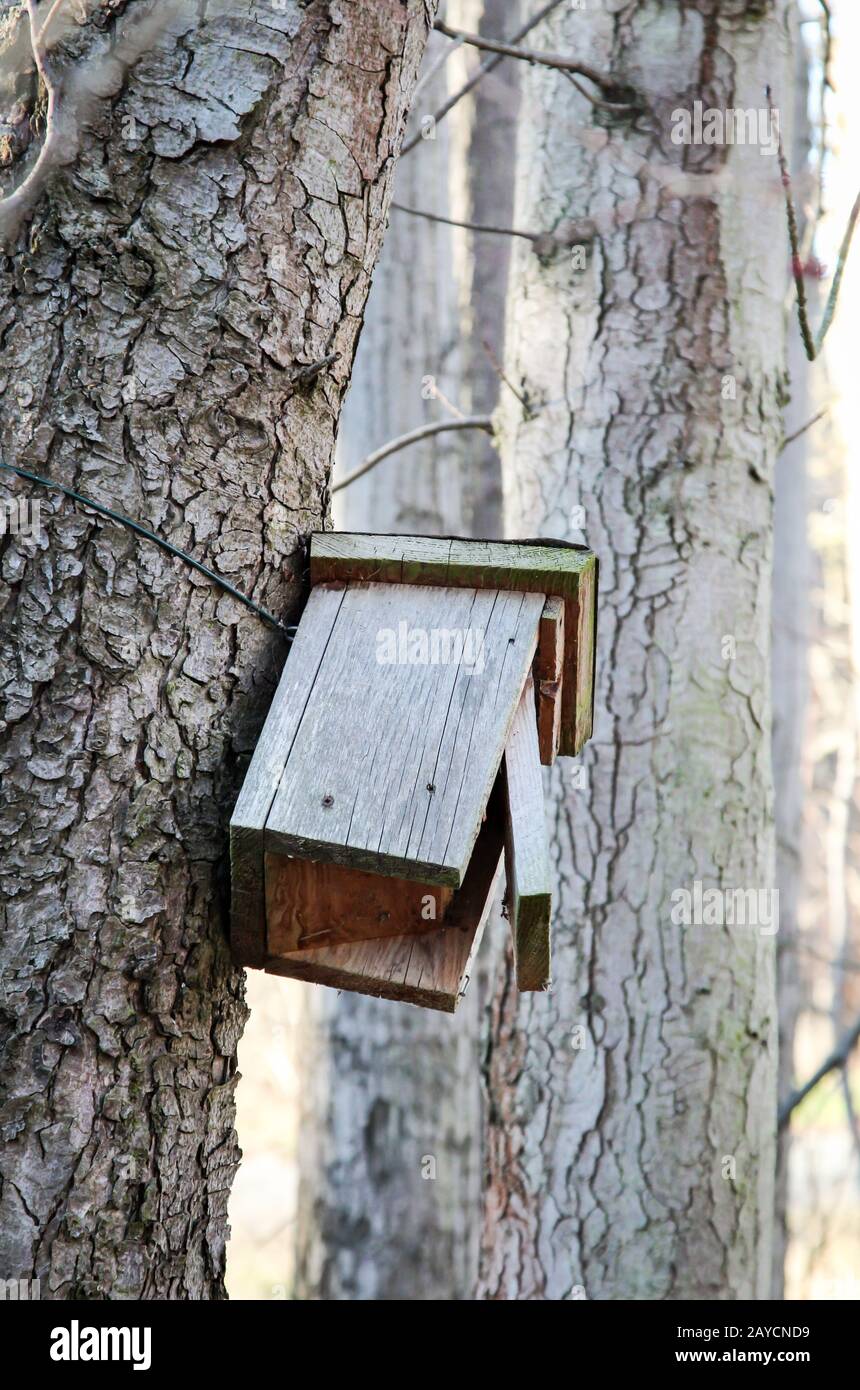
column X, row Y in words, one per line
column 548, row 678
column 550, row 652
column 431, row 970
column 526, row 852
column 311, row 904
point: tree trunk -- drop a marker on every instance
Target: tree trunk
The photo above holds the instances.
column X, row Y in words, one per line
column 791, row 628
column 217, row 232
column 389, row 1170
column 410, row 361
column 631, row 1143
column 489, row 118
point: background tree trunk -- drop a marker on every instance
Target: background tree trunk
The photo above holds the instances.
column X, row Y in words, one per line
column 791, row 627
column 217, row 231
column 489, row 120
column 388, row 1084
column 389, row 1164
column 632, row 1109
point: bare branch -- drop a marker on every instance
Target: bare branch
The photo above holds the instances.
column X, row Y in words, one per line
column 70, row 93
column 830, row 306
column 447, row 51
column 790, row 438
column 485, row 67
column 469, row 226
column 530, row 55
column 17, row 202
column 837, row 1058
column 500, row 373
column 567, row 233
column 614, row 108
column 469, row 422
column 303, row 376
column 811, row 344
column 827, row 21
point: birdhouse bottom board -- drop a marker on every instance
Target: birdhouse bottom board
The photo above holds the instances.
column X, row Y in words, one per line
column 430, row 968
column 311, row 904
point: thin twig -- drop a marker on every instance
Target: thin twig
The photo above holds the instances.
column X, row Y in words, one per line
column 811, row 344
column 790, row 438
column 837, row 1058
column 70, row 97
column 148, row 535
column 469, row 422
column 830, row 306
column 558, row 61
column 828, row 40
column 447, row 51
column 488, row 66
column 19, row 198
column 794, row 242
column 826, row 85
column 449, row 405
column 614, row 108
column 304, row 375
column 469, row 226
column 500, row 373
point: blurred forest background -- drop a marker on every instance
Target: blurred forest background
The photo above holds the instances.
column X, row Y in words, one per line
column 430, row 349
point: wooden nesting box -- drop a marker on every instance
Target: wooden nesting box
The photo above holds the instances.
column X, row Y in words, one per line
column 400, row 761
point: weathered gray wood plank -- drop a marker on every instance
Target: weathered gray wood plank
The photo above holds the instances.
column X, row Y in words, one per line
column 248, row 911
column 552, row 569
column 526, row 852
column 393, row 763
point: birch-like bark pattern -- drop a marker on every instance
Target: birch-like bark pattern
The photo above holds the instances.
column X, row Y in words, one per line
column 791, row 624
column 633, row 1109
column 216, row 232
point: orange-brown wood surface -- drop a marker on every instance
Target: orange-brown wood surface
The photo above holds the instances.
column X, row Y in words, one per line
column 548, row 678
column 431, row 969
column 310, row 904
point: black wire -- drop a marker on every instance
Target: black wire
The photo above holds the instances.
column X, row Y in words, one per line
column 158, row 540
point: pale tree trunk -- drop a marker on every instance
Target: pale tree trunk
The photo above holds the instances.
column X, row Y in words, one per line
column 216, row 233
column 389, row 1199
column 791, row 628
column 389, row 1170
column 411, row 350
column 489, row 121
column 633, row 1108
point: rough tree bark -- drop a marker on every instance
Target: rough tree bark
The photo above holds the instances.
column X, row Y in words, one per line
column 216, row 232
column 633, row 1109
